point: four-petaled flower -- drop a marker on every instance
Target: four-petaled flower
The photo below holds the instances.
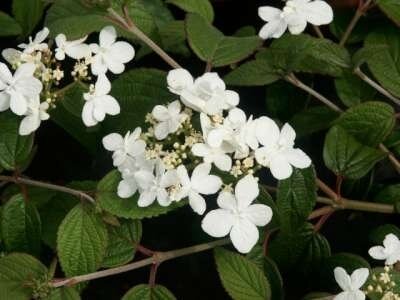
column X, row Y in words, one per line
column 277, row 152
column 18, row 89
column 109, row 54
column 390, row 251
column 351, row 285
column 36, row 113
column 169, row 118
column 237, row 216
column 294, row 16
column 201, row 182
column 98, row 103
column 37, row 43
column 75, row 49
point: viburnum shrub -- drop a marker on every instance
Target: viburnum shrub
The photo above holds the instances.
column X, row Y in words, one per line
column 186, row 141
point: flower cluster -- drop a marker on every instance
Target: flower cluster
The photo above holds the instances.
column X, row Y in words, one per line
column 294, row 16
column 173, row 160
column 30, row 92
column 382, row 284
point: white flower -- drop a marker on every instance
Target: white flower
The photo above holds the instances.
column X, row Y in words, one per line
column 37, row 43
column 99, row 103
column 215, row 155
column 277, row 152
column 201, row 182
column 37, row 112
column 390, row 252
column 75, row 49
column 294, row 16
column 351, row 285
column 169, row 119
column 130, row 146
column 206, row 94
column 12, row 56
column 154, row 186
column 109, row 54
column 237, row 215
column 18, row 89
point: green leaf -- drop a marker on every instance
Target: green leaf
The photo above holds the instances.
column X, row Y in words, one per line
column 200, row 7
column 241, row 278
column 21, row 226
column 377, row 235
column 145, row 292
column 352, row 90
column 28, row 14
column 126, row 208
column 17, row 272
column 344, row 156
column 137, row 92
column 296, row 198
column 316, row 251
column 366, row 53
column 15, row 150
column 211, row 46
column 253, row 73
column 313, row 119
column 342, row 21
column 303, row 53
column 391, row 8
column 122, row 243
column 389, row 194
column 370, row 122
column 82, row 241
column 274, row 277
column 64, row 293
column 8, row 25
column 386, row 66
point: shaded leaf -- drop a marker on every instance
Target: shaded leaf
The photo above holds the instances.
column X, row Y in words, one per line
column 145, row 292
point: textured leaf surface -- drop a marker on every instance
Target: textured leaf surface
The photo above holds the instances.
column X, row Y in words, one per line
column 344, row 156
column 17, row 270
column 241, row 278
column 145, row 292
column 211, row 46
column 21, row 226
column 200, row 7
column 391, row 8
column 8, row 25
column 64, row 293
column 82, row 241
column 14, row 149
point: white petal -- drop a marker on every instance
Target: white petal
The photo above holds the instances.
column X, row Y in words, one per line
column 113, row 142
column 267, row 132
column 287, row 136
column 207, row 185
column 78, row 51
column 359, row 277
column 269, row 13
column 12, row 56
column 391, row 241
column 60, row 40
column 298, row 158
column 144, row 179
column 227, row 201
column 318, row 13
column 183, row 176
column 41, row 35
column 108, row 36
column 98, row 65
column 122, row 51
column 160, row 113
column 200, row 150
column 174, row 108
column 215, row 137
column 170, row 178
column 178, row 80
column 30, row 87
column 5, row 75
column 18, row 104
column 4, row 101
column 342, row 278
column 161, row 130
column 273, row 29
column 87, row 114
column 197, row 203
column 259, row 214
column 60, row 54
column 115, row 66
column 163, row 198
column 231, row 98
column 244, row 235
column 217, row 223
column 146, row 198
column 296, row 24
column 262, row 156
column 191, row 100
column 24, row 70
column 29, row 124
column 98, row 113
column 246, row 191
column 378, row 252
column 280, row 168
column 103, row 85
column 126, row 188
column 137, row 148
column 110, row 105
column 345, row 296
column 222, row 162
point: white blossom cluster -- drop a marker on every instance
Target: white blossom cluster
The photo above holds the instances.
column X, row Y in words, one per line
column 172, row 161
column 29, row 91
column 294, row 16
column 383, row 284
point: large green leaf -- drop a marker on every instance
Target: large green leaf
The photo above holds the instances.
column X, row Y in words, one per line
column 28, row 13
column 21, row 226
column 391, row 8
column 344, row 156
column 303, row 53
column 213, row 47
column 386, row 66
column 200, row 7
column 126, row 208
column 296, row 198
column 64, row 293
column 389, row 194
column 122, row 243
column 17, row 273
column 82, row 241
column 137, row 92
column 274, row 277
column 370, row 122
column 15, row 150
column 8, row 26
column 146, row 292
column 241, row 278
